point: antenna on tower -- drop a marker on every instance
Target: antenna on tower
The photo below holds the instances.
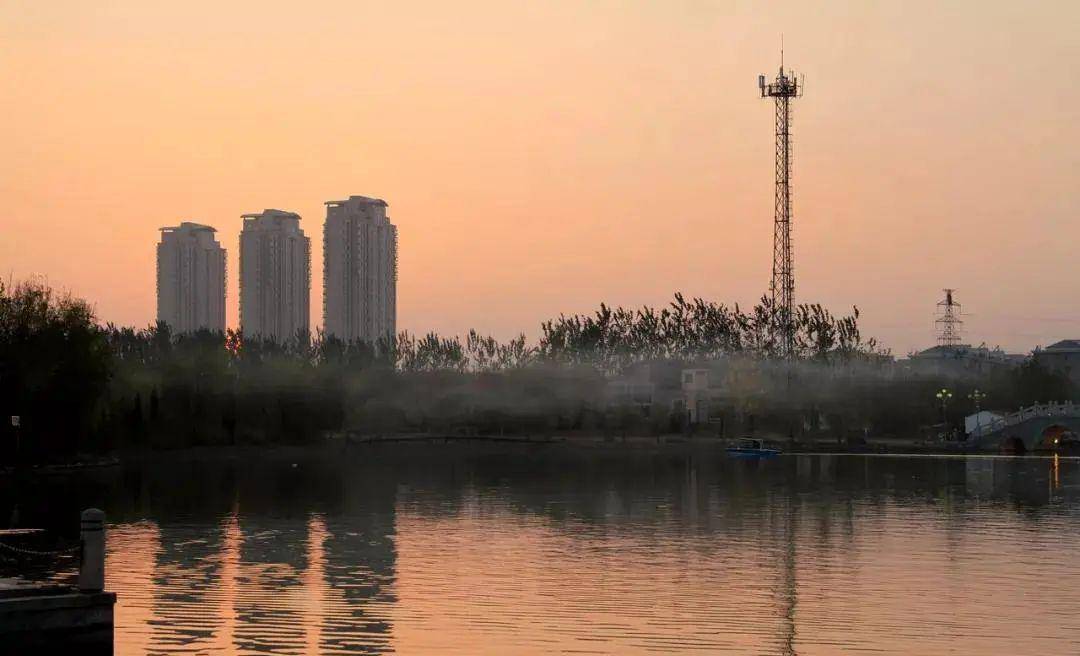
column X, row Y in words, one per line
column 948, row 322
column 782, row 288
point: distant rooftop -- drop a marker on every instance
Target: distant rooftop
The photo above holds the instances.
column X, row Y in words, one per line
column 357, row 200
column 943, row 349
column 269, row 213
column 271, row 220
column 968, row 351
column 1064, row 345
column 188, row 225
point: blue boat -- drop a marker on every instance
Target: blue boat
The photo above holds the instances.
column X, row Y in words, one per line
column 749, row 447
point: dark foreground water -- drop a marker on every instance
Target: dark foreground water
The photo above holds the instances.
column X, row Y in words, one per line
column 468, row 550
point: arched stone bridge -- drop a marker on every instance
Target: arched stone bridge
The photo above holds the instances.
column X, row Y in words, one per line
column 1035, row 426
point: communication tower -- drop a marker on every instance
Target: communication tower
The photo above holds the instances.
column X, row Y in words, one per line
column 782, row 90
column 948, row 322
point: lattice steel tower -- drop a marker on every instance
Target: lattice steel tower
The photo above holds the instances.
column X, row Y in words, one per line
column 948, row 323
column 782, row 289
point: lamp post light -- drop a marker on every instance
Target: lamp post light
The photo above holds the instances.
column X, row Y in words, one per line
column 944, row 395
column 977, row 396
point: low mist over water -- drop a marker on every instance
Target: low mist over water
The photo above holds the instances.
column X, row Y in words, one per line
column 484, row 550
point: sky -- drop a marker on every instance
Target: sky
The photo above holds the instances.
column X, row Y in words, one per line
column 540, row 158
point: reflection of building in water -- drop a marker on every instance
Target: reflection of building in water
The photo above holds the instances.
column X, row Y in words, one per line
column 270, row 590
column 131, row 567
column 187, row 606
column 260, row 583
column 1029, row 481
column 804, row 469
column 230, row 569
column 359, row 565
column 980, row 476
column 315, row 607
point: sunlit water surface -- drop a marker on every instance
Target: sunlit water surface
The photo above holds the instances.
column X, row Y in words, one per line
column 464, row 550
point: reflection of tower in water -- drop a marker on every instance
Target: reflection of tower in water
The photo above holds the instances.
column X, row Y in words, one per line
column 787, row 593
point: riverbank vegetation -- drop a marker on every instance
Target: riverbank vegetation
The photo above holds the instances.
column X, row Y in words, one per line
column 79, row 386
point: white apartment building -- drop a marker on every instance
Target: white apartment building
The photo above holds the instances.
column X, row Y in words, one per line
column 275, row 276
column 359, row 270
column 190, row 279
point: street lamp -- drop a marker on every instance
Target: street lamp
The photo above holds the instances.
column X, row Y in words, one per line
column 944, row 395
column 977, row 396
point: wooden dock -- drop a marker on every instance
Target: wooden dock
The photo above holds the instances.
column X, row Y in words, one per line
column 50, row 618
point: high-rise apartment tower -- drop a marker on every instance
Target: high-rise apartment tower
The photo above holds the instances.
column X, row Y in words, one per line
column 359, row 270
column 190, row 279
column 275, row 276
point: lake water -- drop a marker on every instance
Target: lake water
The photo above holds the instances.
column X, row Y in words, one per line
column 454, row 549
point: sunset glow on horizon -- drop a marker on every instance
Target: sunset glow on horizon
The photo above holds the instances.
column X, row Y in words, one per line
column 542, row 158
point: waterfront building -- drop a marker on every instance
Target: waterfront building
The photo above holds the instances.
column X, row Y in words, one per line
column 699, row 394
column 359, row 270
column 1062, row 357
column 275, row 276
column 190, row 279
column 635, row 388
column 962, row 360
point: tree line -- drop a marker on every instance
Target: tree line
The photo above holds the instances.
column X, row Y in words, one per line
column 80, row 386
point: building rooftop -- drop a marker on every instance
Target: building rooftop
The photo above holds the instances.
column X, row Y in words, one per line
column 271, row 220
column 188, row 225
column 943, row 350
column 1064, row 345
column 269, row 213
column 968, row 351
column 357, row 200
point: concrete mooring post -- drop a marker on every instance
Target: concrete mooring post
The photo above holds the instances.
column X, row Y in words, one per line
column 92, row 564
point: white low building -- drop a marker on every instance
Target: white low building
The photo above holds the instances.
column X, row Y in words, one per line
column 981, row 419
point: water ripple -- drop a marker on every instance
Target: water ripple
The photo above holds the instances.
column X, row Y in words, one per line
column 664, row 555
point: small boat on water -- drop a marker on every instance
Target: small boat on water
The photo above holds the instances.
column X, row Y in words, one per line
column 749, row 447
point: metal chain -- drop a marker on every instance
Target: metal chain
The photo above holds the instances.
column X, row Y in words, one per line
column 32, row 552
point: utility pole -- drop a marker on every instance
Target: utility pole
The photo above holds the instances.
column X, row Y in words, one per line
column 948, row 322
column 782, row 90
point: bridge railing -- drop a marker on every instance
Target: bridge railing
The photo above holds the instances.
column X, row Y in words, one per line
column 1066, row 409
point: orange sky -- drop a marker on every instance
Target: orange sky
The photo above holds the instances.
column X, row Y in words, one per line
column 543, row 157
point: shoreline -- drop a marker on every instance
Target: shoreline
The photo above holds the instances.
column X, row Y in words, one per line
column 354, row 445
